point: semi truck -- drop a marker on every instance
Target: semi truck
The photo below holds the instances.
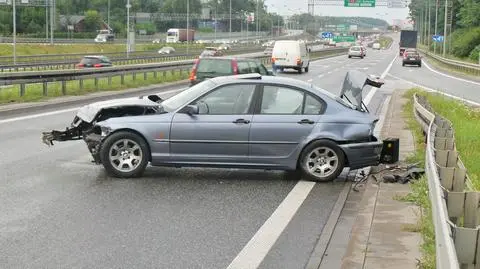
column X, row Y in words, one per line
column 175, row 35
column 408, row 40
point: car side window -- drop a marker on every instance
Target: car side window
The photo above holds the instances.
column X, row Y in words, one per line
column 312, row 106
column 281, row 100
column 258, row 68
column 243, row 67
column 263, row 70
column 227, row 100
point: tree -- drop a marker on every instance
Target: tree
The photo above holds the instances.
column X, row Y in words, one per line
column 92, row 20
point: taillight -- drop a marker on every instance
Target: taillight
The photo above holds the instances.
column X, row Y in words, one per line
column 80, row 65
column 97, row 65
column 193, row 74
column 235, row 67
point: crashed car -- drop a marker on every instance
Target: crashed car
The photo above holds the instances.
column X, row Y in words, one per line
column 240, row 121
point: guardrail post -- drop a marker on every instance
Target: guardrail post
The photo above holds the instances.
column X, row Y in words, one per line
column 22, row 89
column 64, row 87
column 164, row 75
column 134, row 76
column 109, row 79
column 122, row 79
column 96, row 83
column 80, row 83
column 145, row 75
column 155, row 74
column 45, row 88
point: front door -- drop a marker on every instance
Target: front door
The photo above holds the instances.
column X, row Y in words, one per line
column 285, row 117
column 220, row 132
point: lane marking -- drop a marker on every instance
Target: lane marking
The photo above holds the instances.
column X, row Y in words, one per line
column 436, row 91
column 449, row 76
column 372, row 92
column 321, row 75
column 258, row 247
column 310, row 80
column 63, row 111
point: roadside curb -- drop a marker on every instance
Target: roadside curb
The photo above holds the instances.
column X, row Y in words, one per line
column 54, row 103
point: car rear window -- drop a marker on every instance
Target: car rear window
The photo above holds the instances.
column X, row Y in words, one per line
column 90, row 61
column 356, row 48
column 215, row 66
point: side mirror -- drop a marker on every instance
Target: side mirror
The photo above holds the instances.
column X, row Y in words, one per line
column 191, row 110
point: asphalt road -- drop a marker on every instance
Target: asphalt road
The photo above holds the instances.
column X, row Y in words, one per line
column 61, row 211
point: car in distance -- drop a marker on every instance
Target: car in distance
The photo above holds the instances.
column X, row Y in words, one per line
column 291, row 54
column 245, row 121
column 211, row 52
column 356, row 51
column 205, row 68
column 376, row 46
column 411, row 57
column 166, row 50
column 94, row 61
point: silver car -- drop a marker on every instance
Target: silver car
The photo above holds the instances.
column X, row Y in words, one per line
column 242, row 121
column 356, row 51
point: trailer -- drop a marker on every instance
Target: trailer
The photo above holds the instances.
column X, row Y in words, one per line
column 176, row 35
column 408, row 40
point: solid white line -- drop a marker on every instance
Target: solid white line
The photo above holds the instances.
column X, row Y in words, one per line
column 310, row 80
column 258, row 247
column 61, row 111
column 448, row 76
column 321, row 75
column 436, row 91
column 372, row 92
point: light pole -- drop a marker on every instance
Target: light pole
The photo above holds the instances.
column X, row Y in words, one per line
column 14, row 32
column 257, row 24
column 230, row 33
column 128, row 27
column 436, row 31
column 188, row 17
column 108, row 14
column 52, row 18
column 445, row 29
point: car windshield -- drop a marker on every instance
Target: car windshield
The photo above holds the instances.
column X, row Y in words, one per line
column 356, row 48
column 177, row 101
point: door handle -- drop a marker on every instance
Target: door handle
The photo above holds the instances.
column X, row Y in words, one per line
column 306, row 121
column 242, row 121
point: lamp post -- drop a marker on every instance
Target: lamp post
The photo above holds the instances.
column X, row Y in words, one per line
column 14, row 32
column 128, row 27
column 230, row 33
column 188, row 22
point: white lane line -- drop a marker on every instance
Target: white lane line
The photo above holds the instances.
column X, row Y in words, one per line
column 62, row 111
column 321, row 75
column 258, row 247
column 436, row 91
column 372, row 92
column 310, row 80
column 448, row 76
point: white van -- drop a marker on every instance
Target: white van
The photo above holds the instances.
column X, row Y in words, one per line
column 290, row 54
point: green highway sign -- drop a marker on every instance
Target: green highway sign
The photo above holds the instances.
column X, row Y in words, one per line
column 345, row 38
column 359, row 3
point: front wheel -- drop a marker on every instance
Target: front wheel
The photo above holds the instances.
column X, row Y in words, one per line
column 124, row 154
column 322, row 161
column 306, row 68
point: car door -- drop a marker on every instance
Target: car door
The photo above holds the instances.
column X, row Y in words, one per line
column 283, row 118
column 219, row 132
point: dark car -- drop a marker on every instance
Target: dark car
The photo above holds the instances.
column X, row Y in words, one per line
column 411, row 57
column 94, row 61
column 205, row 68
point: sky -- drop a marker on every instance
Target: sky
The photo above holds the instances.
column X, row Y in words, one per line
column 301, row 6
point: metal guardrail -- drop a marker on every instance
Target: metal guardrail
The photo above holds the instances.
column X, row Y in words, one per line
column 470, row 68
column 66, row 61
column 63, row 76
column 455, row 205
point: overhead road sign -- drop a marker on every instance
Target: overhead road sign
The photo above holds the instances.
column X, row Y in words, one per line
column 345, row 38
column 437, row 38
column 359, row 3
column 327, row 34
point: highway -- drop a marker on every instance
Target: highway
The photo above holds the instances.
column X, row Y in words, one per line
column 61, row 211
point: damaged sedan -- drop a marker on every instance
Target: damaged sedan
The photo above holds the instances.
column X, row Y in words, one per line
column 242, row 121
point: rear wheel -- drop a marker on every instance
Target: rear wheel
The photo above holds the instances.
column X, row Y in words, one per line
column 306, row 68
column 420, row 65
column 299, row 70
column 124, row 154
column 322, row 161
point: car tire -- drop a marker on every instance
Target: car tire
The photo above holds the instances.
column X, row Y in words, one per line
column 420, row 65
column 330, row 156
column 306, row 68
column 299, row 70
column 349, row 56
column 403, row 64
column 136, row 151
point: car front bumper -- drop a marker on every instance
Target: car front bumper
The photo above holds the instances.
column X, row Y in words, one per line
column 360, row 155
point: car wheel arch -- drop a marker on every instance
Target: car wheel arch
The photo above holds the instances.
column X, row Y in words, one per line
column 126, row 129
column 338, row 142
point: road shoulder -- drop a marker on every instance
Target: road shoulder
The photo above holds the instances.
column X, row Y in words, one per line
column 381, row 230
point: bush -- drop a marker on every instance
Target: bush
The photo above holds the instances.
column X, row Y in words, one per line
column 464, row 41
column 475, row 54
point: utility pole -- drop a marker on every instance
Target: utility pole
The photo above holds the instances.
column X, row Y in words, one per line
column 128, row 27
column 108, row 15
column 52, row 18
column 188, row 22
column 46, row 21
column 429, row 25
column 230, row 34
column 436, row 28
column 257, row 20
column 445, row 29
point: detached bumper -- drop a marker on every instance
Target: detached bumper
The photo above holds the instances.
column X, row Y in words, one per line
column 362, row 155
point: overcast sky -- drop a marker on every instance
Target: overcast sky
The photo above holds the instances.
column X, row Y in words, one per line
column 299, row 6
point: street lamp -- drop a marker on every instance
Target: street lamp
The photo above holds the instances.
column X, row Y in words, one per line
column 230, row 34
column 14, row 32
column 188, row 17
column 128, row 27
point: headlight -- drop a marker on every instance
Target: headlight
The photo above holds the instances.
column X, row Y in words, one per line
column 105, row 130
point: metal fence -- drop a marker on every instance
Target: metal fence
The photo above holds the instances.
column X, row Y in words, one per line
column 160, row 71
column 455, row 204
column 469, row 68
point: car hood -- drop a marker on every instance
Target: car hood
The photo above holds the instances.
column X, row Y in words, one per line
column 88, row 112
column 352, row 87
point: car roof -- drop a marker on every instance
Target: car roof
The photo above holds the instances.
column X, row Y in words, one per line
column 94, row 56
column 232, row 58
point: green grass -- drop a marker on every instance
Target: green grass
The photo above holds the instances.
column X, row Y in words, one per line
column 385, row 41
column 34, row 92
column 38, row 49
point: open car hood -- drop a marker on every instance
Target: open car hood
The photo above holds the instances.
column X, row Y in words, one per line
column 89, row 112
column 353, row 85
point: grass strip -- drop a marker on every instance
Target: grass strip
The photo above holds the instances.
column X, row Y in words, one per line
column 385, row 41
column 34, row 92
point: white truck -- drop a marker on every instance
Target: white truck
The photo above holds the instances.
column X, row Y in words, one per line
column 176, row 35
